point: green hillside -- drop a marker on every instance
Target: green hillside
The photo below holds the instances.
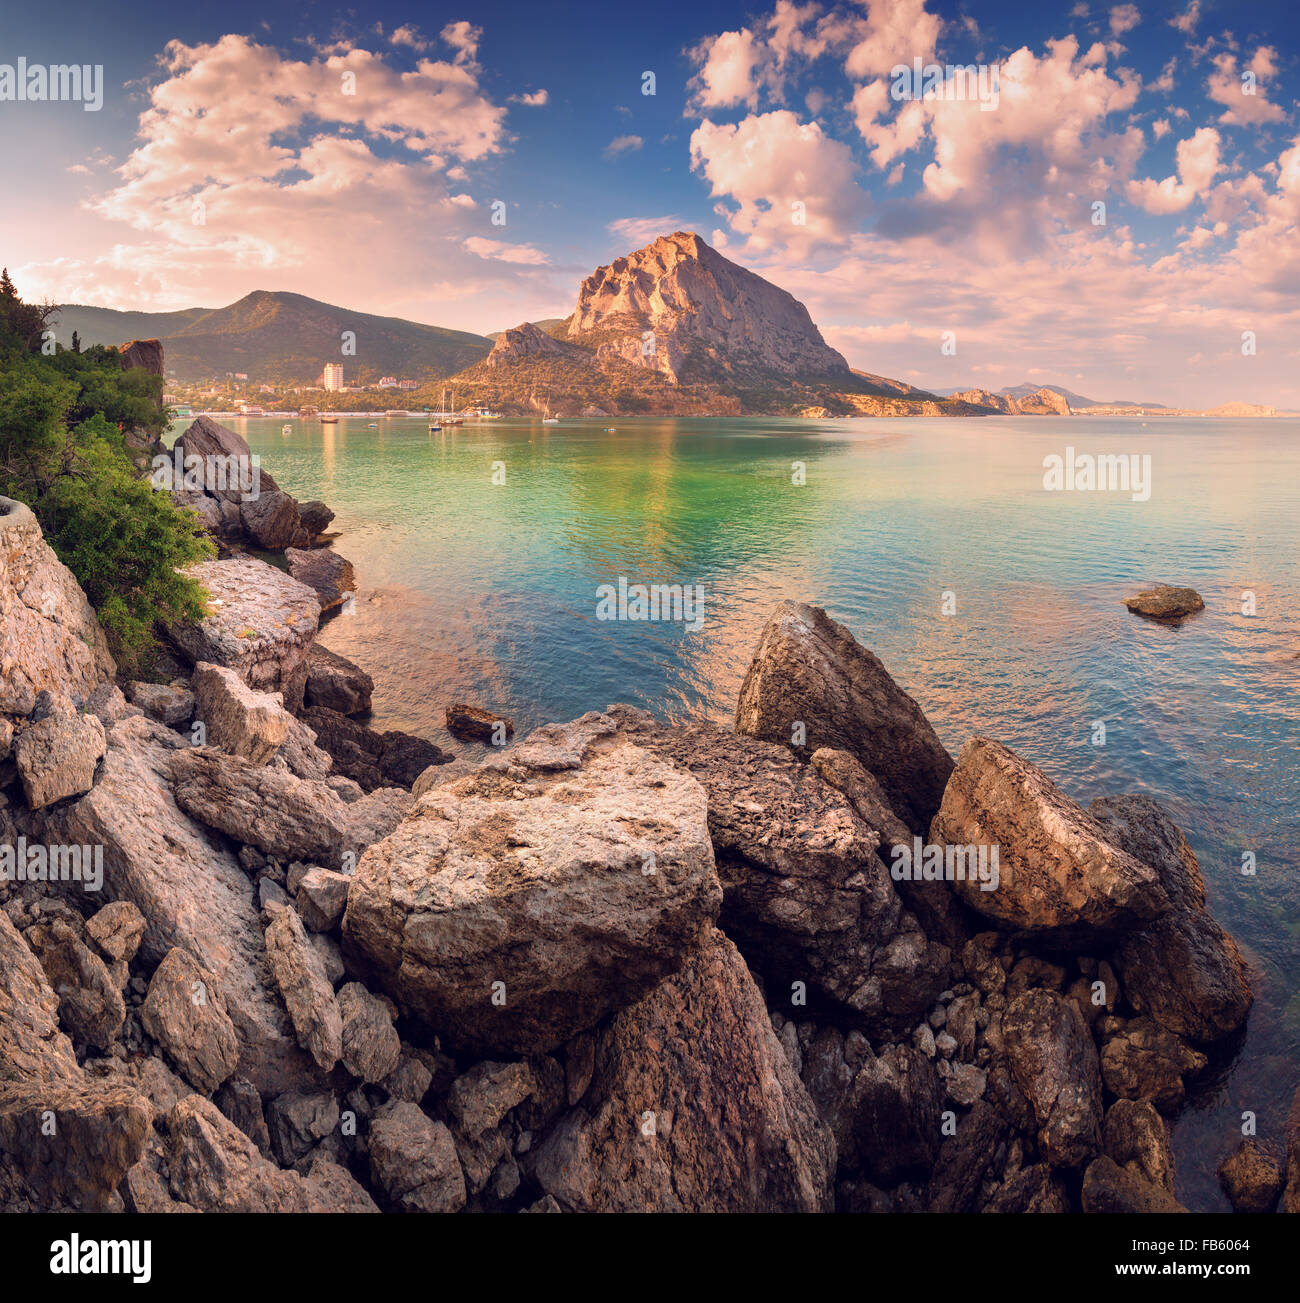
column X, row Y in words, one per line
column 281, row 338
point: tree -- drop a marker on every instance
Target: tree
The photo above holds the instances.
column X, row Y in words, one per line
column 63, row 453
column 76, row 342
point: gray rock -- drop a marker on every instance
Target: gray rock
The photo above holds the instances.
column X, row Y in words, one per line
column 296, row 1120
column 238, row 719
column 322, row 898
column 810, row 670
column 186, row 1014
column 413, row 1161
column 57, row 755
column 308, row 993
column 260, row 623
column 577, row 888
column 693, row 1107
column 166, row 702
column 117, row 930
column 329, row 575
column 371, row 1048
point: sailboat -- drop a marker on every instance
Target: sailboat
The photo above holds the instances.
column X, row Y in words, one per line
column 452, row 418
column 547, row 418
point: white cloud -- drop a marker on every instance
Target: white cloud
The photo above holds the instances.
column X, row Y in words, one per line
column 1124, row 18
column 636, row 232
column 1198, row 164
column 1186, row 21
column 623, row 145
column 533, row 99
column 1242, row 90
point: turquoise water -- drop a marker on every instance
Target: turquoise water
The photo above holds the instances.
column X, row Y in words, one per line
column 487, row 592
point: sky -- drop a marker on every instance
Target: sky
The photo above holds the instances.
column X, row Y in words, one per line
column 1120, row 216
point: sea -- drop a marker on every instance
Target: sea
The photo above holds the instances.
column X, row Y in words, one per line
column 483, row 552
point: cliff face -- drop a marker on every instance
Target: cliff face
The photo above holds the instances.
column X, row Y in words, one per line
column 679, row 307
column 527, row 341
column 1042, row 402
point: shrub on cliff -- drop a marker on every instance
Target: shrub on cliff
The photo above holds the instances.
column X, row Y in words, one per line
column 62, row 452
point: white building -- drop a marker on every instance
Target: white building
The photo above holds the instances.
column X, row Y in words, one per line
column 332, row 376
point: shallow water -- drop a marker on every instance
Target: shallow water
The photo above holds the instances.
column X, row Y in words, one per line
column 486, row 592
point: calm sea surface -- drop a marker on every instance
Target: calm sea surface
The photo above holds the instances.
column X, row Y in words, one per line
column 486, row 592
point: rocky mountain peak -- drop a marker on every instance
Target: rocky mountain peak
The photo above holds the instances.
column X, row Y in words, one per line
column 524, row 341
column 679, row 307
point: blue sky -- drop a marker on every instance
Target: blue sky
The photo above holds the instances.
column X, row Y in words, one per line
column 918, row 220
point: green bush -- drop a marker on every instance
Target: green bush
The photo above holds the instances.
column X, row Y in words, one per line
column 62, row 452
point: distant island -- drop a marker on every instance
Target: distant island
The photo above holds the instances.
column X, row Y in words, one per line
column 673, row 328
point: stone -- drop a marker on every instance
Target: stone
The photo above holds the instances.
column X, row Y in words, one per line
column 213, row 1165
column 322, row 898
column 1145, row 1061
column 1183, row 971
column 58, row 754
column 1060, row 880
column 186, row 1014
column 32, row 1046
column 296, row 1120
column 477, row 724
column 166, row 702
column 370, row 758
column 1109, row 1188
column 810, row 670
column 329, row 575
column 806, row 898
column 240, row 1101
column 1054, row 1063
column 315, row 517
column 371, row 1048
column 239, row 720
column 286, row 817
column 333, row 1189
column 480, row 1098
column 308, row 993
column 579, row 888
column 1165, row 603
column 49, row 636
column 693, row 1107
column 1252, row 1177
column 411, row 1079
column 413, row 1161
column 260, row 623
column 117, row 930
column 271, row 520
column 91, row 1007
column 335, row 683
column 1135, row 1136
column 66, row 1143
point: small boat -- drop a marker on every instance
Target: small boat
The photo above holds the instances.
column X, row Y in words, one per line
column 434, row 429
column 286, row 429
column 373, row 425
column 547, row 418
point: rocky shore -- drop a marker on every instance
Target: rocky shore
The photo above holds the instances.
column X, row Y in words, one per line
column 808, row 963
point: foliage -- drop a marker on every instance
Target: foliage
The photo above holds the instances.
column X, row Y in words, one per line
column 63, row 452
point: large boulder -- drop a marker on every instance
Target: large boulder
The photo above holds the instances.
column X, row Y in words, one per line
column 207, row 438
column 190, row 889
column 271, row 520
column 307, row 991
column 329, row 575
column 1183, row 970
column 520, row 904
column 335, row 683
column 1054, row 1063
column 98, row 1127
column 807, row 899
column 147, row 354
column 49, row 636
column 91, row 1008
column 237, row 718
column 369, row 758
column 693, row 1107
column 58, row 752
column 809, row 670
column 285, row 816
column 413, row 1161
column 184, row 1011
column 1060, row 879
column 260, row 623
